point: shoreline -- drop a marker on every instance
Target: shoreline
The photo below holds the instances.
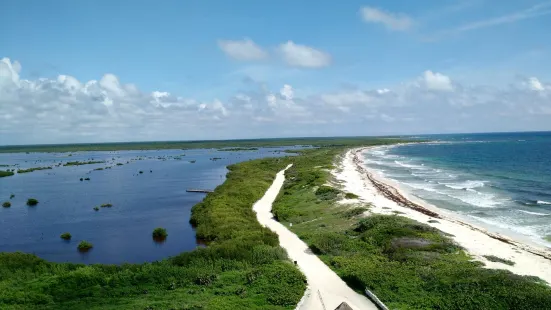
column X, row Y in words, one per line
column 386, row 197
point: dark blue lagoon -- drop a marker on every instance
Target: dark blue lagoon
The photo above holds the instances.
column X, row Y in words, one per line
column 502, row 179
column 156, row 197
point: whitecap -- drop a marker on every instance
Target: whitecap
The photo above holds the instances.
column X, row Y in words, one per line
column 534, row 213
column 541, row 202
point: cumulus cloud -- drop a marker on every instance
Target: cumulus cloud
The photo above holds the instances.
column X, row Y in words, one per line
column 243, row 50
column 437, row 81
column 297, row 55
column 64, row 109
column 397, row 22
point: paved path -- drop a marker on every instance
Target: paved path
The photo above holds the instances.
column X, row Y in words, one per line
column 326, row 291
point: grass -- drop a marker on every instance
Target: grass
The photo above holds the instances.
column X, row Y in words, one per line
column 6, row 204
column 4, row 173
column 496, row 259
column 65, row 236
column 159, row 232
column 407, row 264
column 80, row 163
column 84, row 246
column 32, row 202
column 33, row 169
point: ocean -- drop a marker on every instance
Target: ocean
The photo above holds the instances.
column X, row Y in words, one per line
column 499, row 180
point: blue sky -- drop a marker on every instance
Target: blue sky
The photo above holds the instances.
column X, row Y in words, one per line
column 235, row 69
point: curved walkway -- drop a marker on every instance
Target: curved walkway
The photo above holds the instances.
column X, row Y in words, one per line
column 326, row 290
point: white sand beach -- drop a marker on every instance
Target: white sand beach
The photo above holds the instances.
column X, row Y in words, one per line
column 386, row 197
column 325, row 290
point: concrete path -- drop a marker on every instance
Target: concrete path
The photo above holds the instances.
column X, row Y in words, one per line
column 326, row 291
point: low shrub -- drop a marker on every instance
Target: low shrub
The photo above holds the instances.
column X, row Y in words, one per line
column 84, row 246
column 351, row 196
column 32, row 202
column 493, row 258
column 327, row 192
column 159, row 233
column 106, row 205
column 6, row 204
column 65, row 236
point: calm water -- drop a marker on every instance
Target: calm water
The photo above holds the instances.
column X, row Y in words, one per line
column 503, row 180
column 141, row 202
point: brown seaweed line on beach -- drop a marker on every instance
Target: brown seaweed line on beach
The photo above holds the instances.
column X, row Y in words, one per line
column 392, row 194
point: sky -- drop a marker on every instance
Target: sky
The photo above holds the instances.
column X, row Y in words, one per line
column 108, row 71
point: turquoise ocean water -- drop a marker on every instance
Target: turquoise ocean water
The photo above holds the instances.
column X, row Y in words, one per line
column 501, row 179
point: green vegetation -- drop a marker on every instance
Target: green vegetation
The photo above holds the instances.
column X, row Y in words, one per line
column 32, row 202
column 356, row 211
column 86, row 179
column 81, row 179
column 5, row 173
column 351, row 196
column 236, row 149
column 159, row 232
column 98, row 169
column 242, row 268
column 433, row 221
column 184, row 145
column 496, row 259
column 65, row 236
column 408, row 265
column 96, row 208
column 12, row 196
column 120, row 164
column 6, row 204
column 80, row 163
column 106, row 205
column 84, row 246
column 33, row 169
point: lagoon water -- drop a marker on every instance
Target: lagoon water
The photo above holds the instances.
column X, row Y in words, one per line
column 502, row 180
column 141, row 202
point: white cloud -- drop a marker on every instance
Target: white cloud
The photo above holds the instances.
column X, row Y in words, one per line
column 437, row 81
column 244, row 49
column 64, row 109
column 397, row 22
column 297, row 55
column 535, row 84
column 287, row 92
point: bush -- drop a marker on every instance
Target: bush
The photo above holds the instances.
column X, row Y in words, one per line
column 494, row 258
column 32, row 202
column 96, row 208
column 12, row 196
column 355, row 212
column 65, row 236
column 351, row 196
column 6, row 204
column 327, row 192
column 84, row 246
column 159, row 232
column 106, row 205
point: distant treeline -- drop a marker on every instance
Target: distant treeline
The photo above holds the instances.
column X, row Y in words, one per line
column 206, row 144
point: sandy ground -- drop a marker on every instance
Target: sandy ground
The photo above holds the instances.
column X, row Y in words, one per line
column 325, row 289
column 529, row 259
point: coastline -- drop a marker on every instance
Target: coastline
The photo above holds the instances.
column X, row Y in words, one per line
column 386, row 197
